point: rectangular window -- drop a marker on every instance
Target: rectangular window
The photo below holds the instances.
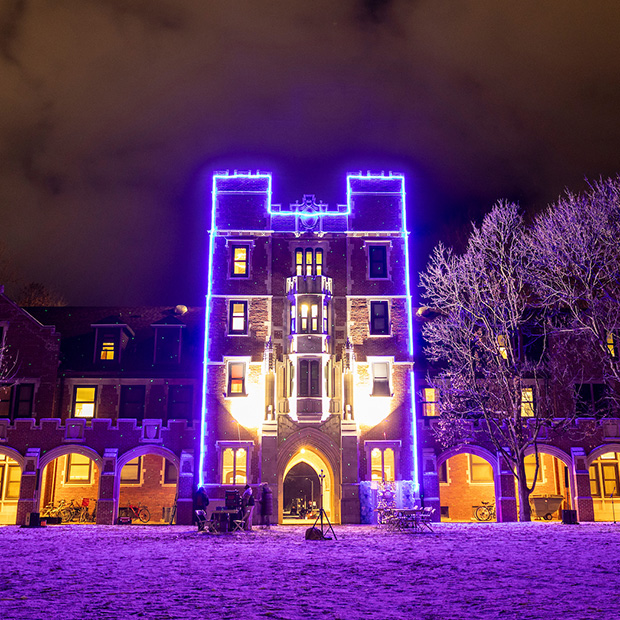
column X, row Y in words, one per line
column 530, row 468
column 24, row 398
column 79, row 469
column 430, row 406
column 309, row 317
column 611, row 485
column 108, row 345
column 299, row 262
column 480, row 471
column 132, row 401
column 381, row 379
column 309, row 384
column 180, row 399
column 234, row 466
column 318, row 262
column 502, row 345
column 5, row 401
column 308, row 262
column 84, row 402
column 591, row 399
column 527, row 402
column 130, row 474
column 379, row 318
column 377, row 261
column 9, row 486
column 382, row 465
column 238, row 317
column 236, row 378
column 170, row 472
column 443, row 473
column 240, row 261
column 611, row 345
column 595, row 483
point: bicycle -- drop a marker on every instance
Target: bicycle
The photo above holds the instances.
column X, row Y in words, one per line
column 63, row 511
column 486, row 512
column 138, row 512
column 85, row 515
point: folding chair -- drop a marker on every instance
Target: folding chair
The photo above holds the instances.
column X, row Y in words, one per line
column 238, row 525
column 201, row 519
column 425, row 518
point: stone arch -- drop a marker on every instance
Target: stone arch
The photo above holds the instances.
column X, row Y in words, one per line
column 323, row 447
column 483, row 453
column 553, row 451
column 55, row 453
column 13, row 454
column 599, row 450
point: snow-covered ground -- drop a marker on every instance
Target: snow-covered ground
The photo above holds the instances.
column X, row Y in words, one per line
column 473, row 571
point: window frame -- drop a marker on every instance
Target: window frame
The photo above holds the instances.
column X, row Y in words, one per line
column 221, row 447
column 428, row 404
column 243, row 364
column 188, row 403
column 124, row 403
column 137, row 479
column 376, row 391
column 527, row 407
column 75, row 402
column 470, row 469
column 166, row 480
column 309, row 377
column 244, row 330
column 79, row 481
column 309, row 261
column 234, row 261
column 383, row 446
column 372, row 261
column 372, row 329
column 108, row 336
column 162, row 340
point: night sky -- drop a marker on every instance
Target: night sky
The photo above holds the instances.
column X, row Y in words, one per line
column 113, row 111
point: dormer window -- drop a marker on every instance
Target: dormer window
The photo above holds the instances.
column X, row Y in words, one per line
column 108, row 350
column 111, row 337
column 167, row 344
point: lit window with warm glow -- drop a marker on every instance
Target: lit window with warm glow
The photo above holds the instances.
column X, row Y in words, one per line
column 299, row 262
column 234, row 466
column 308, row 262
column 502, row 345
column 430, row 406
column 382, row 465
column 530, row 468
column 108, row 349
column 318, row 262
column 480, row 470
column 238, row 318
column 79, row 469
column 527, row 403
column 605, row 476
column 10, row 478
column 240, row 261
column 236, row 378
column 84, row 402
column 611, row 344
column 130, row 474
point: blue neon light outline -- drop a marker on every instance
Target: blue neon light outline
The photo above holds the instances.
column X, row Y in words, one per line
column 405, row 233
column 205, row 361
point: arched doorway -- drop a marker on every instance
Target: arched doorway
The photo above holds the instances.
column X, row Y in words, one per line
column 148, row 478
column 604, row 472
column 301, row 482
column 10, row 482
column 466, row 480
column 301, row 493
column 70, row 478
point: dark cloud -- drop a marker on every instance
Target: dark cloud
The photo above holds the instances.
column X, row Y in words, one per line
column 113, row 109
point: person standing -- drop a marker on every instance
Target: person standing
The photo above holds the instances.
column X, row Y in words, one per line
column 266, row 506
column 247, row 501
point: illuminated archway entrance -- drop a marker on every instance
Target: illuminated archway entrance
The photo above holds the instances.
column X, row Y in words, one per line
column 10, row 482
column 605, row 482
column 466, row 480
column 302, row 490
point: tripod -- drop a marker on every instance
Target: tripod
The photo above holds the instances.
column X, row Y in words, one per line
column 322, row 512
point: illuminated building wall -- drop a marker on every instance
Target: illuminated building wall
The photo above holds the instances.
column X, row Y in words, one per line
column 308, row 338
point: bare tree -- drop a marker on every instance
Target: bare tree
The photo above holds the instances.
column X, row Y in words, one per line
column 490, row 338
column 37, row 294
column 576, row 262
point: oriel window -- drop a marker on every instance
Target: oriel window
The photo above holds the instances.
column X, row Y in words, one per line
column 309, row 383
column 379, row 318
column 236, row 378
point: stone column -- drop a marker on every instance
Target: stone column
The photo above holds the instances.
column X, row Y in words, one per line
column 430, row 482
column 107, row 504
column 505, row 498
column 29, row 489
column 350, row 500
column 185, row 489
column 581, row 486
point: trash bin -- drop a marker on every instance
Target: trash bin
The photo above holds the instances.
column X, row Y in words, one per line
column 569, row 517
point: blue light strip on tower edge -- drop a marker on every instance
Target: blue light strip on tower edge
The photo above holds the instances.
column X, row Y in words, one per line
column 204, row 428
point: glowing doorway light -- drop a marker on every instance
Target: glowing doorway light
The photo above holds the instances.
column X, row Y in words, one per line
column 405, row 234
column 218, row 176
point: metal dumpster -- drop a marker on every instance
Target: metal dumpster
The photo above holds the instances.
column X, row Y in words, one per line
column 545, row 505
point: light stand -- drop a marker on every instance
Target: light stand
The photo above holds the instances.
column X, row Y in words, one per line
column 322, row 512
